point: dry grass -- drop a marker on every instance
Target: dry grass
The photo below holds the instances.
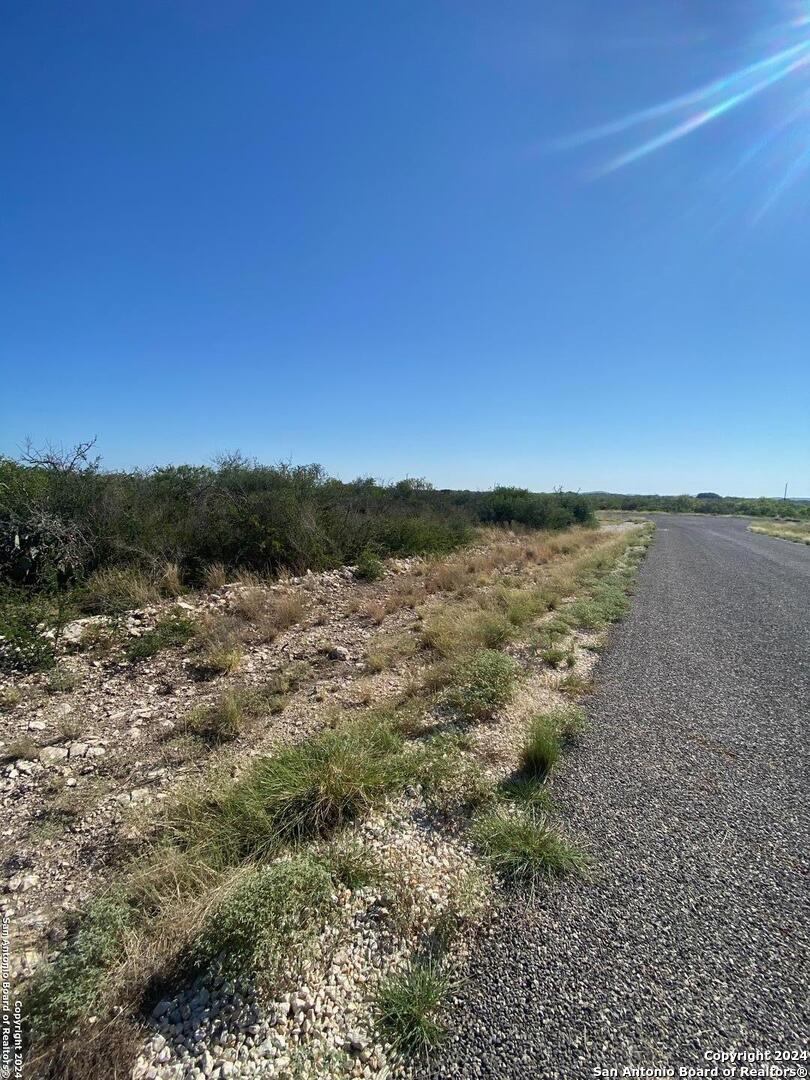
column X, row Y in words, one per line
column 796, row 531
column 271, row 614
column 114, row 589
column 171, row 580
column 215, row 576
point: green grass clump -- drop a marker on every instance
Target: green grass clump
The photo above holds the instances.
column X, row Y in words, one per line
column 170, row 631
column 480, row 683
column 450, row 632
column 523, row 847
column 304, row 791
column 542, row 748
column 229, row 715
column 555, row 656
column 353, row 865
column 408, row 1005
column 606, row 603
column 264, row 921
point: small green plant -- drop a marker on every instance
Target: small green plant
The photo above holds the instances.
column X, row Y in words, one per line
column 265, row 920
column 369, row 566
column 542, row 748
column 481, row 683
column 351, row 864
column 10, row 697
column 24, row 643
column 228, row 716
column 523, row 847
column 73, row 985
column 62, row 680
column 555, row 656
column 21, row 749
column 408, row 1006
column 170, row 631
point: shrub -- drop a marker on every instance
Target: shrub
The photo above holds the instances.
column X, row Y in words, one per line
column 481, row 683
column 523, row 848
column 73, row 985
column 369, row 566
column 24, row 646
column 266, row 918
column 225, row 720
column 169, row 631
column 408, row 1005
column 62, row 681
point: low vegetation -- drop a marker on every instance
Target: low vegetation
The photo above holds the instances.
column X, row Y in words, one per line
column 524, row 848
column 796, row 531
column 409, row 1005
column 241, row 873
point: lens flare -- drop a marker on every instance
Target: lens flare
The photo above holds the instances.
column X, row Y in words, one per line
column 788, row 135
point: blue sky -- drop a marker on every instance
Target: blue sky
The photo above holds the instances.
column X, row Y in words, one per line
column 349, row 233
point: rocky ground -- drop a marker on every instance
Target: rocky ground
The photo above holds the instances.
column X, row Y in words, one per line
column 92, row 753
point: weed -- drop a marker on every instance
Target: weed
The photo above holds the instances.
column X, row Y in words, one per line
column 20, row 749
column 226, row 719
column 408, row 1004
column 266, row 918
column 10, row 697
column 171, row 580
column 574, row 686
column 73, row 985
column 351, row 864
column 304, row 791
column 481, row 683
column 170, row 631
column 523, row 848
column 542, row 748
column 215, row 576
column 114, row 589
column 62, row 681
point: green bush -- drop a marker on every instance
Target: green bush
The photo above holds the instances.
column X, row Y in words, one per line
column 24, row 646
column 481, row 683
column 265, row 920
column 73, row 985
column 369, row 566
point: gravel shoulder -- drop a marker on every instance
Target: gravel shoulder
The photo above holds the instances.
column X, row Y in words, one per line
column 690, row 933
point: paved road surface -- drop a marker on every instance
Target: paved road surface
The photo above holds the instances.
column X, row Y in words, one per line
column 690, row 790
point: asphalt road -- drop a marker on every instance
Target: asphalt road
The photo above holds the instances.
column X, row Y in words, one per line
column 690, row 792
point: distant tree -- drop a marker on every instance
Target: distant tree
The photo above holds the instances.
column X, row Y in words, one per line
column 707, row 495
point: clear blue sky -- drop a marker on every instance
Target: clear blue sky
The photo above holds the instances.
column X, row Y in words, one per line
column 348, row 233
